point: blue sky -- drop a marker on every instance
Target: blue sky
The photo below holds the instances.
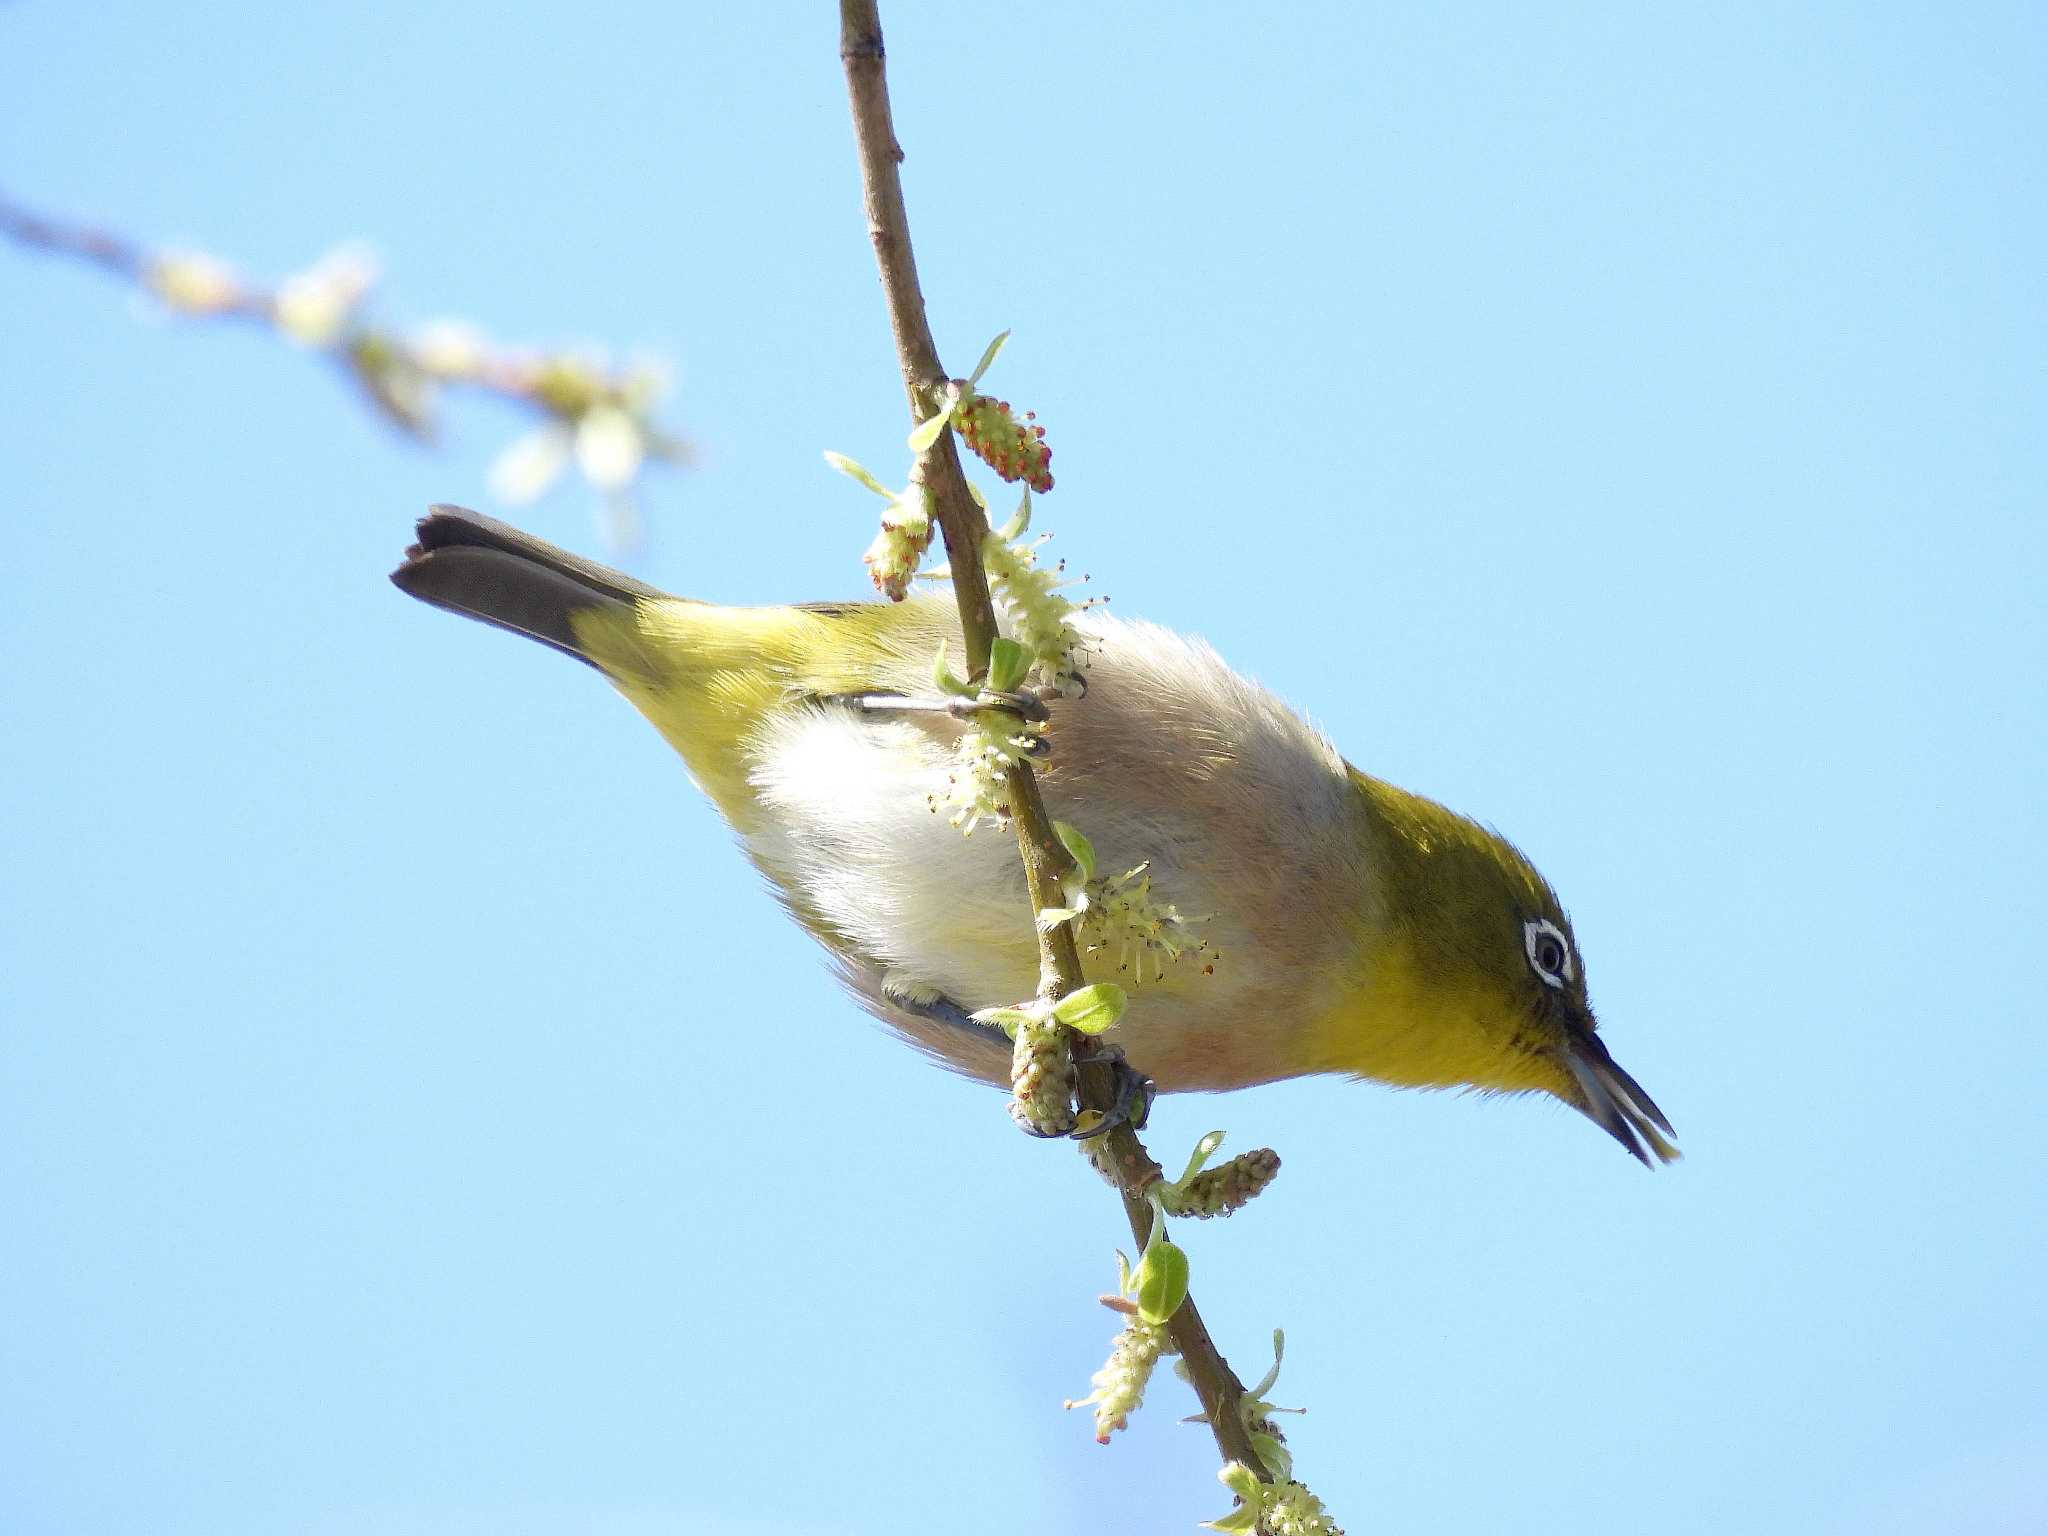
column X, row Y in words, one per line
column 1627, row 429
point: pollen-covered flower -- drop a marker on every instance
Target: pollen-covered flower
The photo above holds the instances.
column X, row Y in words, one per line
column 1034, row 613
column 1291, row 1510
column 1042, row 1078
column 1014, row 448
column 1120, row 1384
column 977, row 784
column 1225, row 1188
column 1121, row 919
column 898, row 550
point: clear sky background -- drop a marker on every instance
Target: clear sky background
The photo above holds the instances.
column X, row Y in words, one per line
column 1626, row 428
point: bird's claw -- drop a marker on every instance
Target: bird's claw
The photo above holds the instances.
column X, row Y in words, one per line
column 1132, row 1105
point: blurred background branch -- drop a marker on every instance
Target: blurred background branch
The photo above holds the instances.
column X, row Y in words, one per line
column 592, row 414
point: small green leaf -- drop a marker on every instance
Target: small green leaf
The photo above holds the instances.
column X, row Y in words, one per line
column 1019, row 522
column 945, row 680
column 1091, row 1009
column 1007, row 663
column 855, row 471
column 1267, row 1381
column 1204, row 1150
column 1162, row 1280
column 1008, row 1020
column 1242, row 1481
column 927, row 432
column 988, row 356
column 1244, row 1518
column 1274, row 1454
column 1082, row 850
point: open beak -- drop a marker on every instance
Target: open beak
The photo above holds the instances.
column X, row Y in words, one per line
column 1615, row 1102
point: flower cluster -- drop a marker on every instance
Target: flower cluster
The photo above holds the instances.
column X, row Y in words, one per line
column 597, row 417
column 977, row 784
column 1027, row 595
column 1256, row 1415
column 1116, row 915
column 1225, row 1188
column 1285, row 1508
column 1120, row 1384
column 1042, row 1079
column 1147, row 1296
column 899, row 549
column 1123, row 920
column 1291, row 1510
column 1015, row 449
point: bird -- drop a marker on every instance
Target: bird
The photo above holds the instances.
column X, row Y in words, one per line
column 1286, row 914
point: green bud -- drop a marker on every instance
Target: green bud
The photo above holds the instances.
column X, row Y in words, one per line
column 1082, row 851
column 1275, row 1456
column 1241, row 1480
column 1162, row 1280
column 1008, row 662
column 1091, row 1009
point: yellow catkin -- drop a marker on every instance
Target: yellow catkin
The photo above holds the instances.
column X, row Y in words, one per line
column 1225, row 1188
column 1120, row 1384
column 1042, row 1079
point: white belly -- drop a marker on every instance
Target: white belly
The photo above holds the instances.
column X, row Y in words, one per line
column 1239, row 808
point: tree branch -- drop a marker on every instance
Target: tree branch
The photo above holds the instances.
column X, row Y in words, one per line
column 401, row 374
column 962, row 524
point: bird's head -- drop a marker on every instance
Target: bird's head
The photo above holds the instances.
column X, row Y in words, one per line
column 1474, row 977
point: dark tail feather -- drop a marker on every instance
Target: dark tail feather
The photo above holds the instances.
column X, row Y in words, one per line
column 484, row 569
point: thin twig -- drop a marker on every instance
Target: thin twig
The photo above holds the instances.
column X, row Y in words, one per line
column 962, row 524
column 549, row 383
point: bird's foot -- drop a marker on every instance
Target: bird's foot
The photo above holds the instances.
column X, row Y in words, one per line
column 1132, row 1104
column 1053, row 1113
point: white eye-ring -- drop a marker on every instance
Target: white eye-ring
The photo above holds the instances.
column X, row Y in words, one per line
column 1550, row 952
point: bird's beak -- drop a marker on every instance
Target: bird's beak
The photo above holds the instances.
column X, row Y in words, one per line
column 1615, row 1102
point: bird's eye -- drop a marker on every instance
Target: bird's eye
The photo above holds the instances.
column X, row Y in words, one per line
column 1550, row 953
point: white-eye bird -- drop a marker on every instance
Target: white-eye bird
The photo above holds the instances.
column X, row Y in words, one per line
column 1344, row 926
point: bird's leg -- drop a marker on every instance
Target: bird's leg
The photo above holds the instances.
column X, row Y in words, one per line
column 1025, row 705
